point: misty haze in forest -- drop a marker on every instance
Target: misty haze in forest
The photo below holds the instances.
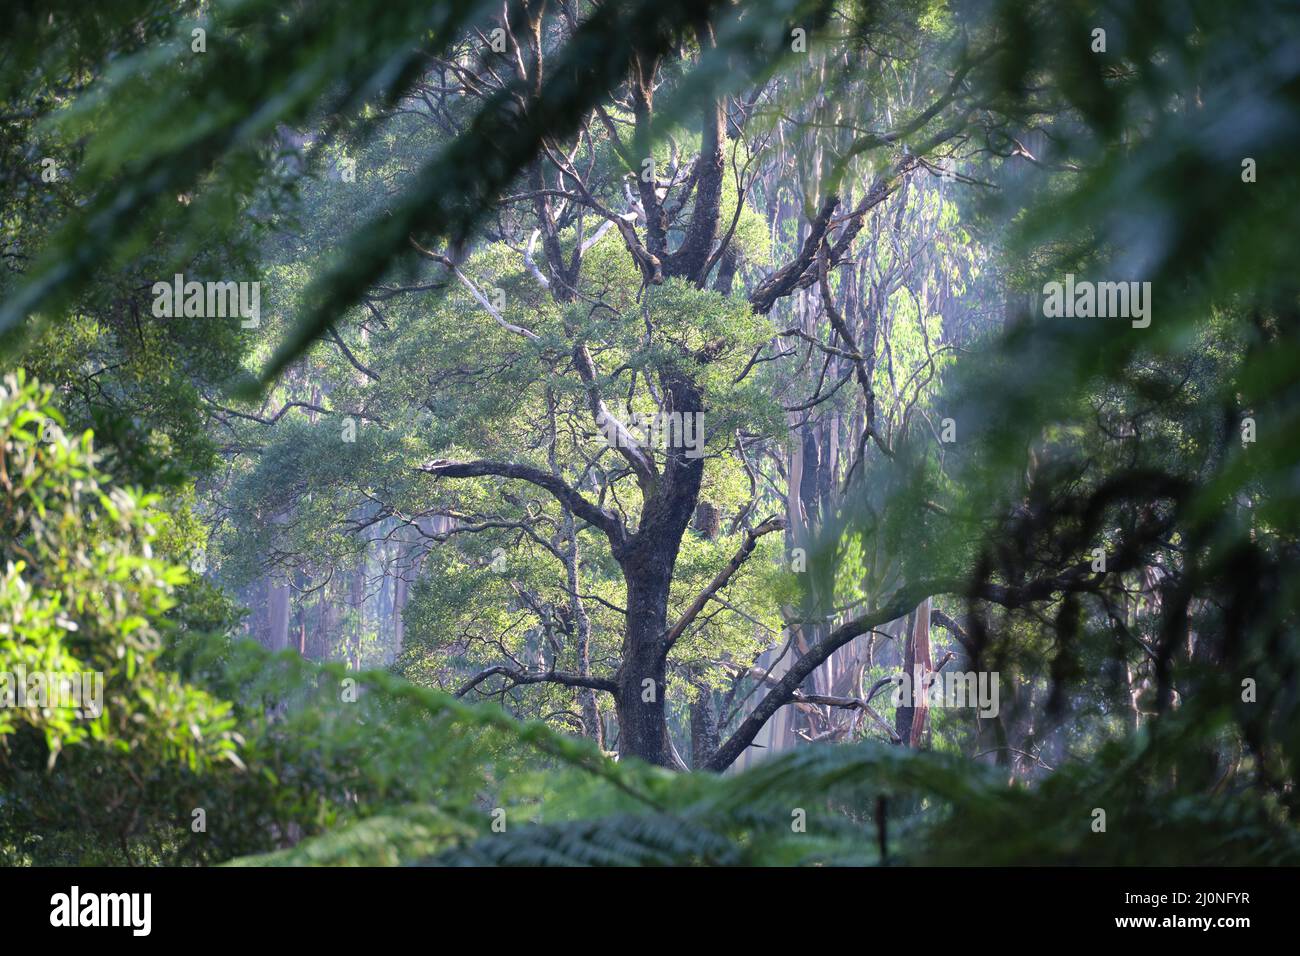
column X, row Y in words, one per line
column 759, row 433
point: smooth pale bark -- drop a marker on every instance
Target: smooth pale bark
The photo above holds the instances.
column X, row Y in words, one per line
column 592, row 720
column 401, row 591
column 356, row 601
column 278, row 614
column 911, row 722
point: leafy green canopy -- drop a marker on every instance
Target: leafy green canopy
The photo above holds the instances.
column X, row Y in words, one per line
column 84, row 594
column 187, row 721
column 1169, row 450
column 421, row 775
column 1214, row 254
column 216, row 121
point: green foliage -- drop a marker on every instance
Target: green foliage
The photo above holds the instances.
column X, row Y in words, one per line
column 826, row 805
column 83, row 594
column 83, row 601
column 1072, row 437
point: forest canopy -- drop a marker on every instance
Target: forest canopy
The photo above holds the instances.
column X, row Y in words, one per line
column 551, row 431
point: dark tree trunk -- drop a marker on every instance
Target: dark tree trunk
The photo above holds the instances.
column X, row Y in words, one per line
column 647, row 559
column 642, row 727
